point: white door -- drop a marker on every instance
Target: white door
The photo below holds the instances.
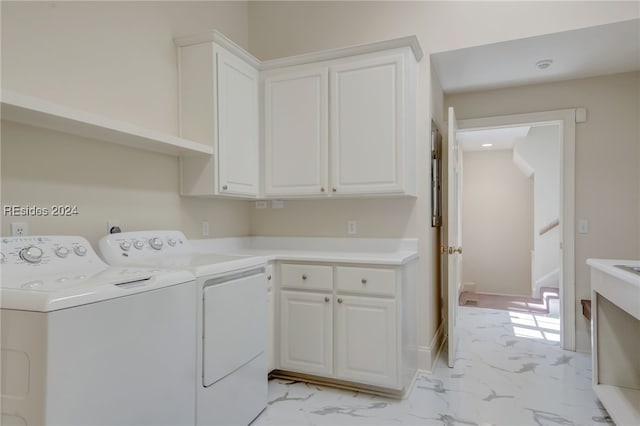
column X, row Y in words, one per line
column 237, row 125
column 366, row 340
column 306, row 335
column 367, row 104
column 452, row 235
column 296, row 133
column 228, row 345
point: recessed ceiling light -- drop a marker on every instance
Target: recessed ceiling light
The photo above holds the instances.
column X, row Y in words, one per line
column 543, row 64
column 487, row 144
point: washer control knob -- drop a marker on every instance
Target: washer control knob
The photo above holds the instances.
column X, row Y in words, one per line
column 138, row 244
column 2, row 258
column 155, row 243
column 171, row 242
column 62, row 252
column 125, row 245
column 31, row 254
column 80, row 250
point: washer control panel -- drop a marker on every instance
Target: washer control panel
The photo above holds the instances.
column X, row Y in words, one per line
column 47, row 253
column 139, row 245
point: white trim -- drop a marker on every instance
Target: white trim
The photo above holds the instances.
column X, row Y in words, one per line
column 428, row 355
column 566, row 118
column 221, row 40
column 326, row 55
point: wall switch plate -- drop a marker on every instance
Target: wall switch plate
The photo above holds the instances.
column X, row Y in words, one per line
column 352, row 226
column 581, row 115
column 583, row 226
column 205, row 228
column 19, row 229
column 277, row 204
column 261, row 204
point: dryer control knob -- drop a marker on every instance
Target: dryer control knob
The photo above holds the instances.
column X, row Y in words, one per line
column 125, row 245
column 62, row 252
column 31, row 254
column 80, row 250
column 171, row 242
column 155, row 243
column 2, row 258
column 138, row 244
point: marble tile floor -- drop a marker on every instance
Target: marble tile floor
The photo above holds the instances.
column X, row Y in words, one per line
column 509, row 370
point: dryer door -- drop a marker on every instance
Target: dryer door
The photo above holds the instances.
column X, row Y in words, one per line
column 234, row 326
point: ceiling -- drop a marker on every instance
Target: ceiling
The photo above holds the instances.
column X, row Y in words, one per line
column 499, row 138
column 588, row 52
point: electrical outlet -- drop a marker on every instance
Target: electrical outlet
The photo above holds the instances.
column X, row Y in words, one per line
column 261, row 204
column 19, row 229
column 205, row 228
column 352, row 226
column 277, row 204
column 113, row 226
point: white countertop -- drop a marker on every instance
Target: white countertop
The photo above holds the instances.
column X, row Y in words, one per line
column 610, row 267
column 379, row 251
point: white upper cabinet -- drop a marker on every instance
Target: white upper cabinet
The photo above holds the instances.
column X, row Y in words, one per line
column 332, row 124
column 371, row 104
column 296, row 133
column 368, row 126
column 219, row 107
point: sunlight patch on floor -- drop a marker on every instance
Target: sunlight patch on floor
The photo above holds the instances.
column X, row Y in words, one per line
column 533, row 326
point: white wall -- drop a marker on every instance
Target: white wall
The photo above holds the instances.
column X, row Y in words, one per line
column 116, row 59
column 497, row 223
column 541, row 150
column 280, row 29
column 607, row 162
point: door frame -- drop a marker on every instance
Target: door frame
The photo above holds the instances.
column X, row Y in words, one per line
column 566, row 119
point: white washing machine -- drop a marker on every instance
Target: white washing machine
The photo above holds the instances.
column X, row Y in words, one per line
column 84, row 343
column 231, row 327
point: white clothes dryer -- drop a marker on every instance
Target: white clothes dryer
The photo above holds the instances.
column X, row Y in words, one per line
column 231, row 327
column 84, row 343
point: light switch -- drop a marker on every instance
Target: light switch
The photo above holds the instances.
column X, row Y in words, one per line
column 583, row 226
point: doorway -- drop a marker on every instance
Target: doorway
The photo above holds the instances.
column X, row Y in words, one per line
column 564, row 122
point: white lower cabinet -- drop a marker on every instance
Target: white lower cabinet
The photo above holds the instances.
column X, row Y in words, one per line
column 347, row 323
column 366, row 340
column 306, row 332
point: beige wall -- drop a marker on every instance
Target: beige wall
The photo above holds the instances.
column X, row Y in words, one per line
column 607, row 161
column 278, row 29
column 497, row 223
column 116, row 59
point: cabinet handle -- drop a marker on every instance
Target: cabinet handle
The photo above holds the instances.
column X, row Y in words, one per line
column 269, row 277
column 304, row 277
column 339, row 300
column 326, row 299
column 334, row 190
column 225, row 187
column 364, row 281
column 321, row 189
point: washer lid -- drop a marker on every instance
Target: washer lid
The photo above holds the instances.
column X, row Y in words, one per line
column 80, row 286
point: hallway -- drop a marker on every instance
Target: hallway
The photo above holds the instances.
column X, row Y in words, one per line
column 510, row 370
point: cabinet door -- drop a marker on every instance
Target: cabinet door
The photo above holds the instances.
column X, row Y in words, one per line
column 237, row 91
column 306, row 332
column 367, row 103
column 367, row 340
column 296, row 130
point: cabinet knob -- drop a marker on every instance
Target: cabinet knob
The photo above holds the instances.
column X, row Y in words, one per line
column 225, row 187
column 326, row 299
column 304, row 276
column 364, row 281
column 269, row 277
column 321, row 189
column 339, row 300
column 334, row 190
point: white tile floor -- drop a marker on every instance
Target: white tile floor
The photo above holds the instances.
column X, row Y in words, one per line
column 510, row 370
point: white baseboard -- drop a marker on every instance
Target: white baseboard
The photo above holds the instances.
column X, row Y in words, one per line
column 428, row 355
